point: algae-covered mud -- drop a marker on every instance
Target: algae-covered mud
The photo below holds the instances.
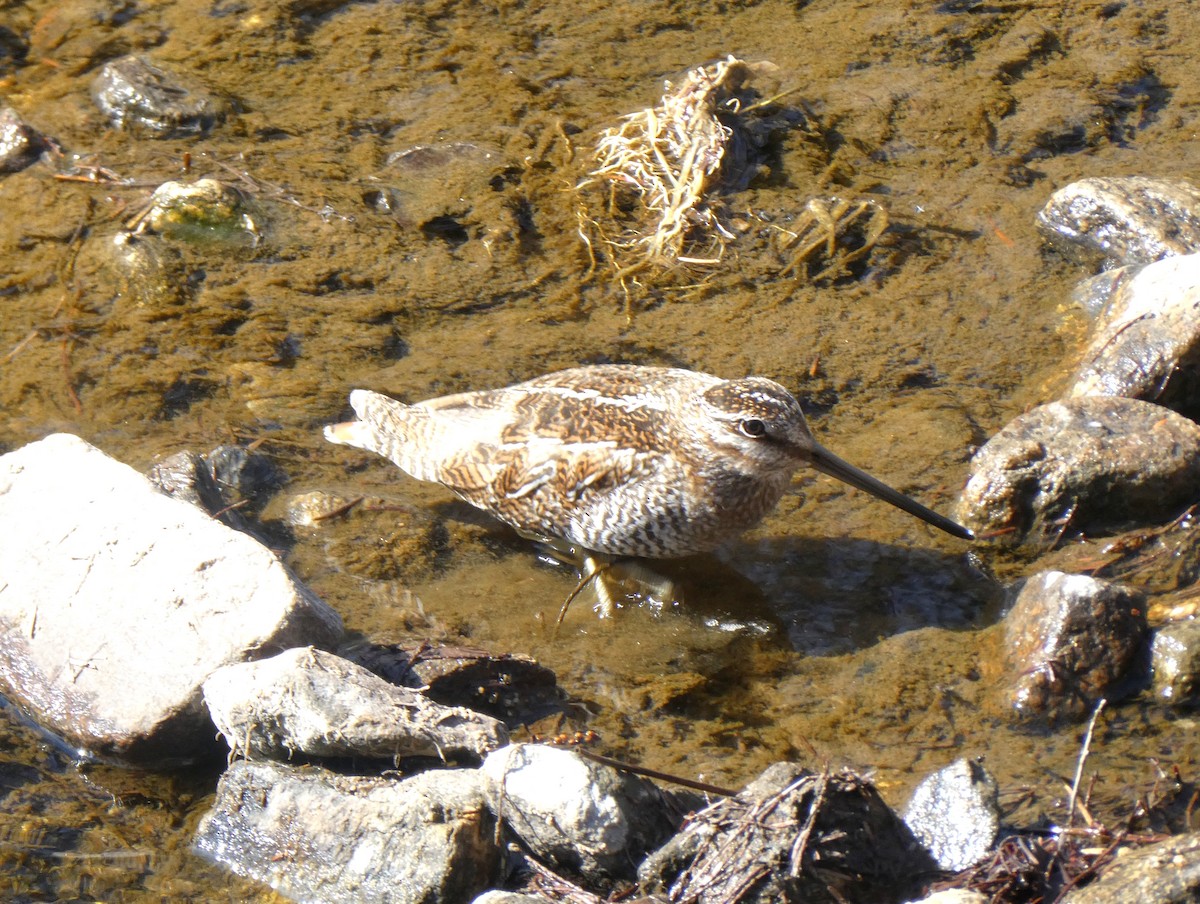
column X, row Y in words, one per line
column 402, row 214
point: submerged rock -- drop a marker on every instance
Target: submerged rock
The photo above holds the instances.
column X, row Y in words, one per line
column 1164, row 873
column 20, row 144
column 315, row 836
column 204, row 211
column 311, row 702
column 1175, row 663
column 1071, row 639
column 118, row 601
column 791, row 835
column 1147, row 341
column 513, row 688
column 316, row 508
column 1086, row 464
column 149, row 272
column 135, row 95
column 455, row 193
column 955, row 814
column 579, row 814
column 1130, row 219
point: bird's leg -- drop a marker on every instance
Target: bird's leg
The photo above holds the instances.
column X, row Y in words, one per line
column 592, row 568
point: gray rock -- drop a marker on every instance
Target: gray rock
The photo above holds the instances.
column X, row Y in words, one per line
column 510, row 897
column 791, row 835
column 186, row 476
column 1163, row 873
column 20, row 144
column 1175, row 663
column 315, row 703
column 135, row 95
column 117, row 602
column 318, row 837
column 1130, row 219
column 578, row 814
column 955, row 813
column 1084, row 464
column 1070, row 639
column 1148, row 336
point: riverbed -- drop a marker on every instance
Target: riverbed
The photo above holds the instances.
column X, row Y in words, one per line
column 839, row 630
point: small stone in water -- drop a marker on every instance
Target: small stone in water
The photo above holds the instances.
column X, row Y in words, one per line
column 149, row 272
column 312, row 702
column 1085, row 464
column 1147, row 340
column 314, row 508
column 134, row 94
column 20, row 145
column 206, row 209
column 1175, row 661
column 955, row 813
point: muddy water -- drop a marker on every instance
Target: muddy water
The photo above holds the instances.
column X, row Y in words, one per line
column 839, row 629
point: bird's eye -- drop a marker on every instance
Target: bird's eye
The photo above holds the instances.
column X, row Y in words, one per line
column 753, row 428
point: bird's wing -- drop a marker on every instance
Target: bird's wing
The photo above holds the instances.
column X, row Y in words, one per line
column 539, row 487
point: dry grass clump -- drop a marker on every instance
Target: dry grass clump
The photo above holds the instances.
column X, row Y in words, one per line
column 662, row 168
column 654, row 207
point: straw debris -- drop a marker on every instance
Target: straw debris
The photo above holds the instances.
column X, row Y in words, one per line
column 654, row 207
column 663, row 166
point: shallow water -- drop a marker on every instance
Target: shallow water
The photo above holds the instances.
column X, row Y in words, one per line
column 839, row 628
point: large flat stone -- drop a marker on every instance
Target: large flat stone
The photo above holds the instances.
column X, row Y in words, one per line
column 116, row 602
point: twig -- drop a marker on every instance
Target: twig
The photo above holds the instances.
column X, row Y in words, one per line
column 1083, row 755
column 796, row 858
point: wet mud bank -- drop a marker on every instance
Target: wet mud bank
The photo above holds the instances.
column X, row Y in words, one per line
column 402, row 215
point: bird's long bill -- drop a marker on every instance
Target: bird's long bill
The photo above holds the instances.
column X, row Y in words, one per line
column 828, row 463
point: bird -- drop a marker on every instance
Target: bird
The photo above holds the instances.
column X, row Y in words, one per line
column 614, row 460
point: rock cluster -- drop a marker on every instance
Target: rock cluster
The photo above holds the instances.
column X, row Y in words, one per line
column 137, row 627
column 1118, row 452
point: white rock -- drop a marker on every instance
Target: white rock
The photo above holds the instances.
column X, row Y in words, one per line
column 116, row 602
column 575, row 812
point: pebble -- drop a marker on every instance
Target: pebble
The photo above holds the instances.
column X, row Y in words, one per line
column 576, row 813
column 513, row 688
column 136, row 95
column 204, row 211
column 955, row 813
column 1147, row 340
column 1175, row 663
column 20, row 144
